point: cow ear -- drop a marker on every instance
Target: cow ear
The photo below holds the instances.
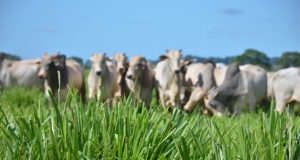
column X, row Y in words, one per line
column 163, row 57
column 92, row 58
column 39, row 62
column 167, row 50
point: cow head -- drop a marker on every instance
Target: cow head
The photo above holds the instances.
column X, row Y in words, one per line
column 220, row 100
column 214, row 102
column 121, row 61
column 137, row 66
column 184, row 63
column 99, row 63
column 51, row 64
column 173, row 56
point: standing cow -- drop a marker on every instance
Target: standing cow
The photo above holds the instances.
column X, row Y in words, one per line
column 286, row 88
column 243, row 87
column 71, row 76
column 167, row 77
column 140, row 79
column 102, row 75
column 23, row 73
column 121, row 62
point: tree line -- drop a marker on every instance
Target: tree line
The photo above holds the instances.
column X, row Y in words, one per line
column 250, row 56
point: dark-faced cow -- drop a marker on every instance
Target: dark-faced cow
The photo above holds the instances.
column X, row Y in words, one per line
column 62, row 74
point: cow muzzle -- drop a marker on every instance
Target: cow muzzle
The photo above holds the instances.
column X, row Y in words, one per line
column 98, row 73
column 42, row 74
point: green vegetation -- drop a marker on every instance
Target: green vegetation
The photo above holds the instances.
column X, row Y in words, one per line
column 32, row 129
column 251, row 56
column 289, row 59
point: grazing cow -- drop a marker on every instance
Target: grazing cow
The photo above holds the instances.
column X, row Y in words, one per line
column 71, row 75
column 140, row 79
column 167, row 78
column 286, row 88
column 243, row 87
column 200, row 79
column 270, row 76
column 23, row 73
column 121, row 61
column 102, row 75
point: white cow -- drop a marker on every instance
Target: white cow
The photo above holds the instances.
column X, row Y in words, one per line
column 286, row 88
column 167, row 78
column 102, row 75
column 22, row 73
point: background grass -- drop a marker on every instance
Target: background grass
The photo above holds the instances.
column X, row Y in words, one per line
column 32, row 129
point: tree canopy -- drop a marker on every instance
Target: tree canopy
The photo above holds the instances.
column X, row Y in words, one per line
column 12, row 56
column 251, row 56
column 289, row 59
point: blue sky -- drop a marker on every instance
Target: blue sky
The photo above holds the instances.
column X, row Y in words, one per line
column 199, row 27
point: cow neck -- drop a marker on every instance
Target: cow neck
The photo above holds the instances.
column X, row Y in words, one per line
column 53, row 78
column 123, row 85
column 105, row 79
column 142, row 76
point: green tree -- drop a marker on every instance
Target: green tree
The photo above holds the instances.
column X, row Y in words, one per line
column 289, row 59
column 11, row 56
column 77, row 59
column 251, row 56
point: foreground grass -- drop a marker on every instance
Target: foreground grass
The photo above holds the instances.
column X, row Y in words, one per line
column 32, row 129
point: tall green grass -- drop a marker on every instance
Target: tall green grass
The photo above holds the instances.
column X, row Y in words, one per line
column 32, row 129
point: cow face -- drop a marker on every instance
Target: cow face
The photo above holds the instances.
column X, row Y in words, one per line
column 174, row 57
column 121, row 61
column 214, row 102
column 51, row 64
column 99, row 63
column 137, row 66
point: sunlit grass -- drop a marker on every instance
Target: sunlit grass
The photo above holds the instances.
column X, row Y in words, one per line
column 32, row 129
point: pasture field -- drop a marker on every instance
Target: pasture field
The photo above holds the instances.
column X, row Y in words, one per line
column 30, row 128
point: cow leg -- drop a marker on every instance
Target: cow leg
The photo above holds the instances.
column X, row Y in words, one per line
column 162, row 98
column 291, row 108
column 280, row 105
column 196, row 96
column 281, row 101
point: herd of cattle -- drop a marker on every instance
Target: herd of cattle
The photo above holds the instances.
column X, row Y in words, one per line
column 179, row 82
